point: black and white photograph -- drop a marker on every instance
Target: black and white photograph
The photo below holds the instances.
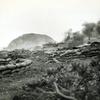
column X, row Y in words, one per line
column 49, row 49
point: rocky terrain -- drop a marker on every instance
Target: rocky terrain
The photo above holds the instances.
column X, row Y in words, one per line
column 30, row 41
column 64, row 74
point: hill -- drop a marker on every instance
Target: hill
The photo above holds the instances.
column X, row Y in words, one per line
column 30, row 41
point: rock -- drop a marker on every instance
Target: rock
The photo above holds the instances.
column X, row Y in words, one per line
column 4, row 61
column 2, row 68
column 16, row 67
column 3, row 54
column 25, row 62
column 16, row 70
column 6, row 72
column 11, row 66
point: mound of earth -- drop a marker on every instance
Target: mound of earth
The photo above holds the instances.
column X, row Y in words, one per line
column 30, row 41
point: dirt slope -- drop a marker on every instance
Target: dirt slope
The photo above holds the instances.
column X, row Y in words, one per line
column 63, row 69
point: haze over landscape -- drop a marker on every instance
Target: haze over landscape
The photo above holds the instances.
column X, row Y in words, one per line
column 50, row 17
column 49, row 50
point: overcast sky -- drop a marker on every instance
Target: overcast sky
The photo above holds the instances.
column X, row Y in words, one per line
column 51, row 17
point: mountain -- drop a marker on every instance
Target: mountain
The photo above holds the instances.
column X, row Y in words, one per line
column 30, row 41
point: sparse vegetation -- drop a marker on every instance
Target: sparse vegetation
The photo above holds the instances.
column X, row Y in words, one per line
column 65, row 74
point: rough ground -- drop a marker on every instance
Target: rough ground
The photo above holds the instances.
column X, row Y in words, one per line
column 37, row 80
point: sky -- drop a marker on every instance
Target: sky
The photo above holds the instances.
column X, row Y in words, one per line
column 51, row 17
